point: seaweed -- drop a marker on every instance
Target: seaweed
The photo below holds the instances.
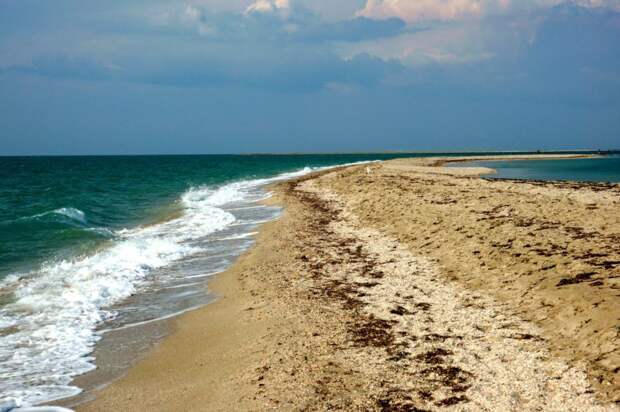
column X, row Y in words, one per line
column 580, row 278
column 434, row 357
column 371, row 331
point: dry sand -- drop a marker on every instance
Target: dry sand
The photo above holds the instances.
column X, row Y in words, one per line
column 410, row 288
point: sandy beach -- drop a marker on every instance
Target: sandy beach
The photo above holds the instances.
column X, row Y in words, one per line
column 404, row 286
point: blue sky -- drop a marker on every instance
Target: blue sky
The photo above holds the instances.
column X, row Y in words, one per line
column 233, row 76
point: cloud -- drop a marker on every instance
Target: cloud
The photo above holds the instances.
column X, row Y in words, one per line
column 451, row 10
column 609, row 4
column 194, row 46
column 421, row 10
column 354, row 30
column 446, row 45
column 505, row 33
column 271, row 20
column 270, row 44
column 268, row 6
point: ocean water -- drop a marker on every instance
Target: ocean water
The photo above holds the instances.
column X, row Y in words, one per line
column 600, row 169
column 90, row 245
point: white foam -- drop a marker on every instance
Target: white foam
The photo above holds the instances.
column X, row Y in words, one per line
column 242, row 236
column 57, row 308
column 72, row 213
column 203, row 275
column 56, row 312
column 12, row 405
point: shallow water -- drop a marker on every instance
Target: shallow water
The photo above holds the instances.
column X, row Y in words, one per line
column 600, row 169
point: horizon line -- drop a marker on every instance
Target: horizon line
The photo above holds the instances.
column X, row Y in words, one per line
column 334, row 153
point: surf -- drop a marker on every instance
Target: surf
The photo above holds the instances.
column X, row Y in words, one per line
column 50, row 326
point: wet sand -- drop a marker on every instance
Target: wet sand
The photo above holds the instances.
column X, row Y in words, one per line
column 414, row 287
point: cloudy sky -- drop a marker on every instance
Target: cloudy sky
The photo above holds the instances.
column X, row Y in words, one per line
column 231, row 76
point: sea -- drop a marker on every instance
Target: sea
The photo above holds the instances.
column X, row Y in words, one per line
column 603, row 169
column 90, row 246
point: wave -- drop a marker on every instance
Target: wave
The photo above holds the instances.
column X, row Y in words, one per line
column 48, row 331
column 70, row 213
column 49, row 327
column 65, row 219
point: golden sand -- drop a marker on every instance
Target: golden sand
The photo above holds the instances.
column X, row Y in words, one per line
column 413, row 287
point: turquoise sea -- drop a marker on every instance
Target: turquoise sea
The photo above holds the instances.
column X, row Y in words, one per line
column 94, row 244
column 52, row 208
column 600, row 169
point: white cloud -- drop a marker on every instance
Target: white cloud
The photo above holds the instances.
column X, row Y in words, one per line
column 268, row 6
column 413, row 11
column 422, row 10
column 612, row 4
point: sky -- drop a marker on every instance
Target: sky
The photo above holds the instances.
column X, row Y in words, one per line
column 246, row 76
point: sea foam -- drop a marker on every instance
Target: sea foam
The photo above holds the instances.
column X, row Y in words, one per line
column 47, row 331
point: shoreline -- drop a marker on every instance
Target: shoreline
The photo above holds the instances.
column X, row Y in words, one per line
column 443, row 160
column 217, row 347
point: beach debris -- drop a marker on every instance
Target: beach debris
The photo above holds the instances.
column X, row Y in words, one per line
column 582, row 277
